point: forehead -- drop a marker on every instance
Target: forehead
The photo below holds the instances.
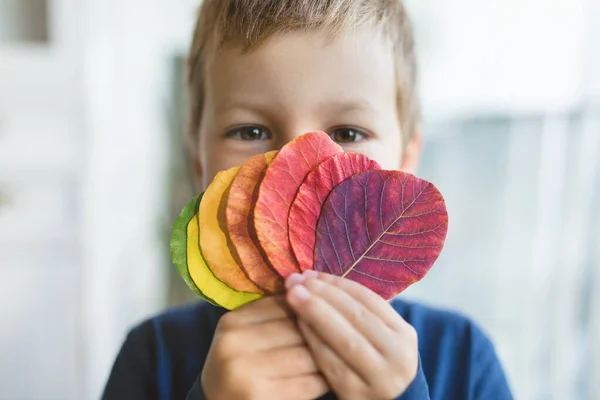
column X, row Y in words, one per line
column 305, row 69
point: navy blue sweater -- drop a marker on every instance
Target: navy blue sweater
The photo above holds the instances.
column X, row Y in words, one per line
column 163, row 357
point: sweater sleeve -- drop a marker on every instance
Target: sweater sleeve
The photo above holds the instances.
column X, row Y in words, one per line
column 133, row 374
column 418, row 389
column 196, row 392
column 489, row 380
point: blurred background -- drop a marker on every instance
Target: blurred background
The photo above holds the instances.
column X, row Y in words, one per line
column 92, row 173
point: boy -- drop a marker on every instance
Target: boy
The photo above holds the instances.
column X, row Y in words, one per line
column 261, row 73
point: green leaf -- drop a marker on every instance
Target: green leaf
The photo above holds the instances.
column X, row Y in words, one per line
column 179, row 245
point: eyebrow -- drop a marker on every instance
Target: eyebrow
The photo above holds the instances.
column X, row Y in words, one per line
column 338, row 107
column 241, row 105
column 349, row 106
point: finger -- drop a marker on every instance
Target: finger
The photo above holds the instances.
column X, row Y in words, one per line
column 339, row 376
column 335, row 331
column 286, row 363
column 306, row 387
column 371, row 300
column 260, row 311
column 362, row 319
column 272, row 335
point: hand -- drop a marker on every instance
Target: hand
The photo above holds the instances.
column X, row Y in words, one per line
column 362, row 346
column 258, row 353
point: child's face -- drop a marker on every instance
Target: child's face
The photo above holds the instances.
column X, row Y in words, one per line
column 297, row 83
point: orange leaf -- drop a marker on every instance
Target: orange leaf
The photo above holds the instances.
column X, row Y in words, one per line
column 240, row 205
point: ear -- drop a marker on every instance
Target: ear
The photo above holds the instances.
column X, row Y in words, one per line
column 412, row 153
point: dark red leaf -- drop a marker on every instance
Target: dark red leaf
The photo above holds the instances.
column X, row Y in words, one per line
column 384, row 229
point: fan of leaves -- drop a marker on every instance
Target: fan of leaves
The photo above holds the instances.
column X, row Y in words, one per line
column 308, row 206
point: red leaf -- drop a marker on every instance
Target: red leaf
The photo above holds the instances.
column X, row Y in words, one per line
column 309, row 200
column 384, row 229
column 277, row 191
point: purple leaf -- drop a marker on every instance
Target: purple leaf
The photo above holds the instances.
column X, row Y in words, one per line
column 383, row 229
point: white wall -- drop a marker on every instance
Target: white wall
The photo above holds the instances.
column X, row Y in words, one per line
column 511, row 55
column 128, row 49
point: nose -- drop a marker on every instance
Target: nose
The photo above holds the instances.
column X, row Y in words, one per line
column 288, row 135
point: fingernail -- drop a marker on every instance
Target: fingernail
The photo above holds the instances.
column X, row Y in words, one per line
column 293, row 280
column 299, row 294
column 311, row 274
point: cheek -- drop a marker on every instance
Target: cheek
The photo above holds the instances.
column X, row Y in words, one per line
column 213, row 159
column 218, row 154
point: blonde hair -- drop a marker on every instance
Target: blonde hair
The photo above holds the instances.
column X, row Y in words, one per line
column 248, row 23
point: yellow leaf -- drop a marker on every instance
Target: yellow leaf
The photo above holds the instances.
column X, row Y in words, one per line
column 205, row 280
column 217, row 249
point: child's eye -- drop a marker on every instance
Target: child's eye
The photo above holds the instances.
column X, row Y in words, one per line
column 249, row 133
column 347, row 135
